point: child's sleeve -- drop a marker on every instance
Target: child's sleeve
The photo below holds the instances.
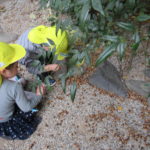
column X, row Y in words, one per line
column 25, row 101
column 32, row 63
column 31, row 54
column 23, row 40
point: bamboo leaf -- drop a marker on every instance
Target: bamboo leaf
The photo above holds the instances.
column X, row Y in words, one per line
column 143, row 17
column 121, row 49
column 63, row 84
column 119, row 6
column 35, row 63
column 105, row 54
column 73, row 60
column 126, row 26
column 73, row 91
column 81, row 55
column 64, row 54
column 136, row 37
column 84, row 12
column 74, row 51
column 131, row 3
column 57, row 27
column 70, row 72
column 97, row 5
column 49, row 55
column 110, row 38
column 50, row 42
column 45, row 44
column 135, row 46
column 44, row 54
column 110, row 5
column 87, row 58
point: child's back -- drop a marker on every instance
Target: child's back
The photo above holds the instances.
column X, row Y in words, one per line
column 15, row 95
column 17, row 121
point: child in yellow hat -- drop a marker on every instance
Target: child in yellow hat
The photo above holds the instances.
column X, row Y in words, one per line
column 33, row 39
column 17, row 121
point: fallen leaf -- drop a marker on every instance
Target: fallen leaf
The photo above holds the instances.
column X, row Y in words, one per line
column 120, row 108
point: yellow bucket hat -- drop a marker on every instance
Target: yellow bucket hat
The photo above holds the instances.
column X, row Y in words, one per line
column 41, row 34
column 10, row 53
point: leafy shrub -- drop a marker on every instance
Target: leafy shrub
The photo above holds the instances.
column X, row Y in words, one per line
column 117, row 25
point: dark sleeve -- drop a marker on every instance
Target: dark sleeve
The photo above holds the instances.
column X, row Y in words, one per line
column 25, row 101
column 32, row 63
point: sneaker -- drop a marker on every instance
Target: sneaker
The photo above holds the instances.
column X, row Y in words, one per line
column 52, row 82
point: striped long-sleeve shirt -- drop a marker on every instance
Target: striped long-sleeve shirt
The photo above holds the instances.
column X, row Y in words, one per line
column 31, row 54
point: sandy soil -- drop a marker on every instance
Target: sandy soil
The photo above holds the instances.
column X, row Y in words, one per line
column 96, row 120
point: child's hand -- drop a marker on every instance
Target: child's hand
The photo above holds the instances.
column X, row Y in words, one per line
column 52, row 67
column 41, row 90
column 46, row 48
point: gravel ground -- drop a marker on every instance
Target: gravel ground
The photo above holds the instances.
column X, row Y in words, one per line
column 96, row 120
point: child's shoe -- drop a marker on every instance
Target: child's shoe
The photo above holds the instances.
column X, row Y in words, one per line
column 52, row 82
column 46, row 79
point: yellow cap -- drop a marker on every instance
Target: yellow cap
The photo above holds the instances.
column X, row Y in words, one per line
column 41, row 34
column 10, row 53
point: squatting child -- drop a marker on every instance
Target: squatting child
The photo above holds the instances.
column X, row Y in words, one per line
column 37, row 37
column 17, row 121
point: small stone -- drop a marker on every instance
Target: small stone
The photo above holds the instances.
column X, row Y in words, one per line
column 141, row 87
column 108, row 78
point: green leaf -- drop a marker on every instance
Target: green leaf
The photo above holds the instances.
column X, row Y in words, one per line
column 131, row 3
column 143, row 17
column 121, row 49
column 81, row 2
column 58, row 4
column 73, row 60
column 49, row 54
column 63, row 84
column 44, row 54
column 35, row 63
column 110, row 38
column 97, row 5
column 136, row 37
column 45, row 44
column 119, row 6
column 135, row 46
column 70, row 72
column 81, row 55
column 110, row 5
column 50, row 42
column 74, row 51
column 58, row 27
column 93, row 25
column 64, row 54
column 73, row 91
column 126, row 26
column 87, row 58
column 105, row 54
column 49, row 88
column 84, row 12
